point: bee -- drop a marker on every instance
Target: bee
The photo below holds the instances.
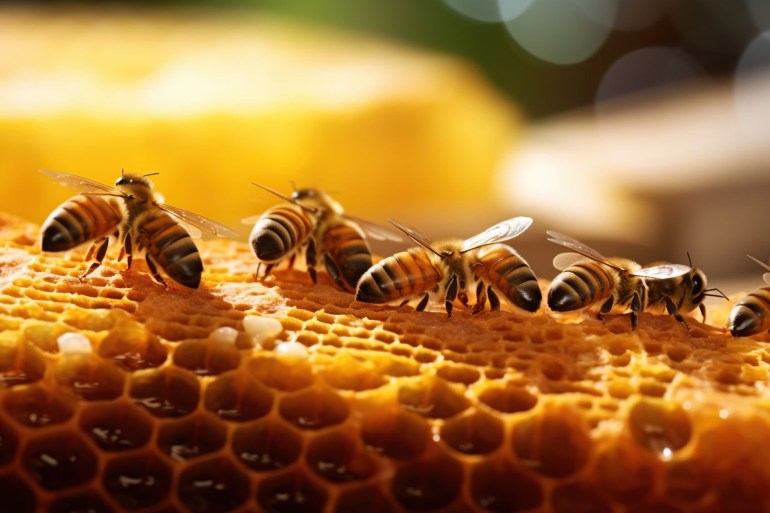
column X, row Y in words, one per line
column 311, row 222
column 751, row 314
column 623, row 283
column 454, row 269
column 134, row 214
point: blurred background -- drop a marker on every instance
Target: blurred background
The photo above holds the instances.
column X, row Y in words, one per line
column 638, row 126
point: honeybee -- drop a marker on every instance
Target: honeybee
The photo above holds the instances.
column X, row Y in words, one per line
column 619, row 282
column 134, row 214
column 453, row 269
column 313, row 223
column 751, row 314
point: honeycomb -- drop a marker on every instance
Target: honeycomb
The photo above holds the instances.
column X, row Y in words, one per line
column 355, row 408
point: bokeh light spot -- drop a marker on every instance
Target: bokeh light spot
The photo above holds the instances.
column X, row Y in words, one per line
column 752, row 103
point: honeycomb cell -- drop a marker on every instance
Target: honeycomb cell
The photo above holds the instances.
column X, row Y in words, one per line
column 20, row 363
column 35, row 406
column 508, row 399
column 59, row 460
column 396, row 434
column 166, row 393
column 554, row 443
column 427, row 484
column 9, row 443
column 238, row 397
column 686, row 480
column 339, row 456
column 133, row 348
column 137, row 481
column 266, row 445
column 282, row 374
column 88, row 502
column 476, row 433
column 661, row 507
column 578, row 498
column 116, row 426
column 17, row 496
column 352, row 373
column 191, row 437
column 660, row 427
column 433, row 398
column 367, row 498
column 90, row 377
column 499, row 486
column 314, row 408
column 625, row 473
column 206, row 357
column 459, row 374
column 213, row 486
column 292, row 492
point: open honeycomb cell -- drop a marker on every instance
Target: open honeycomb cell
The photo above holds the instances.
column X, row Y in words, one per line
column 177, row 409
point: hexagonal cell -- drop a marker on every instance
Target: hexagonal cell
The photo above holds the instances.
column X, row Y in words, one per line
column 432, row 397
column 213, row 486
column 282, row 374
column 266, row 445
column 625, row 472
column 578, row 498
column 86, row 502
column 191, row 437
column 17, row 496
column 116, row 426
column 660, row 427
column 348, row 372
column 133, row 348
column 166, row 393
column 497, row 485
column 427, row 484
column 238, row 397
column 59, row 460
column 9, row 443
column 20, row 363
column 292, row 492
column 90, row 377
column 475, row 433
column 367, row 498
column 508, row 399
column 137, row 481
column 35, row 406
column 207, row 357
column 338, row 456
column 396, row 434
column 314, row 408
column 458, row 373
column 554, row 443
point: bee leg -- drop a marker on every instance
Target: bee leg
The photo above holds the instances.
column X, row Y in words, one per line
column 606, row 307
column 100, row 248
column 256, row 274
column 310, row 259
column 481, row 298
column 494, row 301
column 671, row 309
column 128, row 248
column 636, row 306
column 334, row 272
column 702, row 309
column 154, row 271
column 451, row 295
column 423, row 302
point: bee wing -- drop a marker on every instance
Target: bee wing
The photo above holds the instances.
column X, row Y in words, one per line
column 564, row 260
column 413, row 234
column 82, row 184
column 661, row 272
column 578, row 247
column 500, row 232
column 375, row 231
column 766, row 276
column 251, row 219
column 196, row 223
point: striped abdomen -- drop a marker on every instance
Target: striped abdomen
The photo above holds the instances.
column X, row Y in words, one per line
column 349, row 252
column 400, row 276
column 171, row 247
column 582, row 284
column 502, row 268
column 280, row 231
column 78, row 220
column 751, row 314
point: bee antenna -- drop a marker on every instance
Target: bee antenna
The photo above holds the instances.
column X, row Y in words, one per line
column 286, row 198
column 151, row 174
column 416, row 237
column 293, row 186
column 718, row 294
column 122, row 172
column 689, row 260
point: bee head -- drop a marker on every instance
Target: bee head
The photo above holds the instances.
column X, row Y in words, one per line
column 136, row 186
column 304, row 194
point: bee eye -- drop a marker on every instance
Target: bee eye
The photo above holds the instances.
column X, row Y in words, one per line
column 697, row 284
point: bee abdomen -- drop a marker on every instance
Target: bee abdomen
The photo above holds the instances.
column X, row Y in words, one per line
column 77, row 220
column 509, row 273
column 402, row 275
column 750, row 314
column 278, row 232
column 349, row 251
column 173, row 249
column 578, row 286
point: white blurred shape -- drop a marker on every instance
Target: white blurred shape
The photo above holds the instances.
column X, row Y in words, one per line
column 638, row 14
column 479, row 10
column 510, row 9
column 760, row 13
column 262, row 328
column 291, row 350
column 224, row 335
column 559, row 31
column 74, row 343
column 751, row 96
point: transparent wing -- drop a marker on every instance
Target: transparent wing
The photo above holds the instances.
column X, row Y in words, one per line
column 413, row 234
column 198, row 222
column 661, row 272
column 251, row 219
column 498, row 233
column 579, row 247
column 564, row 260
column 375, row 231
column 82, row 184
column 766, row 276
